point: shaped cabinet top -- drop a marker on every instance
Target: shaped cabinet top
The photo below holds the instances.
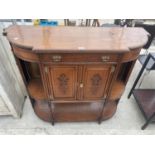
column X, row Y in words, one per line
column 77, row 39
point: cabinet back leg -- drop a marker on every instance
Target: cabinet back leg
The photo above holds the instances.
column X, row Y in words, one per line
column 51, row 113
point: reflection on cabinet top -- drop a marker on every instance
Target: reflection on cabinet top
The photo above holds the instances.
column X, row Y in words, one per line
column 77, row 39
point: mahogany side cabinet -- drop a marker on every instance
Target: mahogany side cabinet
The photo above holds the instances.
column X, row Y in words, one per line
column 75, row 73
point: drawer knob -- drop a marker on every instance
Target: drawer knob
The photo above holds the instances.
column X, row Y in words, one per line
column 105, row 58
column 56, row 58
column 81, row 85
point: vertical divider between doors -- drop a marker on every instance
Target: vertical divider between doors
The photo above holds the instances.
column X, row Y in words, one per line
column 79, row 80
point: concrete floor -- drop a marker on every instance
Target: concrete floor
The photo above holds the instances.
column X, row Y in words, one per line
column 127, row 120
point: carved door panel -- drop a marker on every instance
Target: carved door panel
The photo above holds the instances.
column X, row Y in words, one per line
column 96, row 79
column 63, row 81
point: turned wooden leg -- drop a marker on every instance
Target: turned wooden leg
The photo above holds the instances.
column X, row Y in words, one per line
column 100, row 117
column 51, row 112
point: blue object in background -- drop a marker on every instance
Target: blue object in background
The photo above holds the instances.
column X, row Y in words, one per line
column 48, row 23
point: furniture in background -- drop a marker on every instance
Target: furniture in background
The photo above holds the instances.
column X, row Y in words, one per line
column 96, row 22
column 124, row 22
column 145, row 97
column 76, row 73
column 150, row 29
column 12, row 89
column 88, row 22
column 83, row 22
column 68, row 22
column 45, row 22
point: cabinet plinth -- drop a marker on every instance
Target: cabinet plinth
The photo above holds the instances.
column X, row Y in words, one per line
column 75, row 73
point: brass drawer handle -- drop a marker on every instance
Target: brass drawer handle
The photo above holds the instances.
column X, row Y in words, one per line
column 105, row 58
column 56, row 58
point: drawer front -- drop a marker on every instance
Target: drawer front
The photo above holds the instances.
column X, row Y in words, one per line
column 53, row 58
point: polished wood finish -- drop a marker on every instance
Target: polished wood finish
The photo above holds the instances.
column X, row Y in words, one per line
column 25, row 54
column 36, row 90
column 117, row 90
column 63, row 81
column 82, row 57
column 132, row 55
column 71, row 112
column 76, row 73
column 77, row 39
column 95, row 81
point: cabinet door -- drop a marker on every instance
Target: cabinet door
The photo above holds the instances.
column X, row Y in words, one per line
column 95, row 81
column 63, row 81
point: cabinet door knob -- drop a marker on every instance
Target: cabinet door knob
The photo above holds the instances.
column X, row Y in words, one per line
column 81, row 85
column 105, row 58
column 56, row 58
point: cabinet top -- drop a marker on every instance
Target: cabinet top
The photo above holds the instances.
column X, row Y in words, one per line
column 76, row 39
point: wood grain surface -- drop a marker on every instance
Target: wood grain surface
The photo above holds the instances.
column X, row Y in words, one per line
column 77, row 39
column 81, row 71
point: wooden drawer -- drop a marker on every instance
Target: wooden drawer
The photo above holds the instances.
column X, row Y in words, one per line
column 78, row 58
